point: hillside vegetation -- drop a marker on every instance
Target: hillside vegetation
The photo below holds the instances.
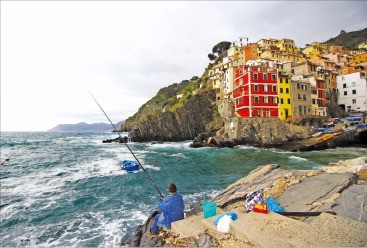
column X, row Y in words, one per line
column 349, row 40
column 166, row 99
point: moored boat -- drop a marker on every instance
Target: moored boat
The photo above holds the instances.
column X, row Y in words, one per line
column 326, row 137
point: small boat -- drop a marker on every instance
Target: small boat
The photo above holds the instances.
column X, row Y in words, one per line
column 129, row 165
column 354, row 118
column 326, row 137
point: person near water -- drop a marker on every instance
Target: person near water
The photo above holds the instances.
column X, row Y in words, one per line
column 172, row 209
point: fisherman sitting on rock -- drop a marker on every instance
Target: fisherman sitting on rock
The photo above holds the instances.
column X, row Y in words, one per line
column 172, row 209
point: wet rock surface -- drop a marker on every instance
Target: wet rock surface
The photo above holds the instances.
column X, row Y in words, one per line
column 297, row 190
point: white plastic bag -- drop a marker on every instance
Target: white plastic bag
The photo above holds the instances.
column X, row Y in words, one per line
column 223, row 223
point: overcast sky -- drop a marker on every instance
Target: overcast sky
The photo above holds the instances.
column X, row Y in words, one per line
column 124, row 52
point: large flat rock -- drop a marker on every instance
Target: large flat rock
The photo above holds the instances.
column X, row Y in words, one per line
column 306, row 195
column 274, row 230
column 189, row 227
column 352, row 203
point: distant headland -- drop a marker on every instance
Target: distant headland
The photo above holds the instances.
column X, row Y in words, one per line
column 85, row 127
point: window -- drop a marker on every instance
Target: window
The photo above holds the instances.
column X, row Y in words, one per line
column 256, row 88
column 344, row 85
column 265, row 88
column 256, row 99
column 268, row 113
column 281, row 100
column 287, row 90
column 274, row 88
column 354, row 92
column 265, row 76
column 304, row 97
column 354, row 101
column 273, row 77
column 260, row 113
column 255, row 76
column 281, row 90
column 266, row 99
column 281, row 80
column 345, row 93
column 289, row 101
column 299, row 96
column 297, row 85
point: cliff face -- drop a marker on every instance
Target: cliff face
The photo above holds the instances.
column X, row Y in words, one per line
column 260, row 132
column 198, row 114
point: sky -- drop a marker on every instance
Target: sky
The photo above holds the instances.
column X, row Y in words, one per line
column 52, row 52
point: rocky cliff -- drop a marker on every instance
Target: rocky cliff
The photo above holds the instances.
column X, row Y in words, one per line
column 263, row 132
column 198, row 114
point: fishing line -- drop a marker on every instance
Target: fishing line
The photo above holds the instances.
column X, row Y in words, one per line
column 128, row 147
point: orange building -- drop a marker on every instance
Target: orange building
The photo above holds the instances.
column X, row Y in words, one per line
column 250, row 52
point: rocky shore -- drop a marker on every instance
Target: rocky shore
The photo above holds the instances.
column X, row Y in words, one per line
column 340, row 187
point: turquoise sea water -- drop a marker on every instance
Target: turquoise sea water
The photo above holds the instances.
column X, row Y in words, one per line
column 85, row 199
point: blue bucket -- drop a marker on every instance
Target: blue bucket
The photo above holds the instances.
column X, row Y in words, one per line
column 209, row 209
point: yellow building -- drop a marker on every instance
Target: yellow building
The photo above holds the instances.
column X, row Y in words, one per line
column 362, row 45
column 311, row 52
column 338, row 49
column 287, row 45
column 321, row 47
column 284, row 92
column 267, row 43
column 271, row 54
column 359, row 58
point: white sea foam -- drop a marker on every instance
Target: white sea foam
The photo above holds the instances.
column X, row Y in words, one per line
column 178, row 155
column 298, row 158
column 195, row 197
column 180, row 145
column 248, row 148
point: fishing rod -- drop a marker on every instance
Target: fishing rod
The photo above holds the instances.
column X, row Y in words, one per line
column 146, row 173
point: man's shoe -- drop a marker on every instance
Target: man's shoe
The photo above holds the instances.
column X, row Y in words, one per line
column 150, row 234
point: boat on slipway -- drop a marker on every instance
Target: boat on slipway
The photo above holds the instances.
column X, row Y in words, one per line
column 129, row 165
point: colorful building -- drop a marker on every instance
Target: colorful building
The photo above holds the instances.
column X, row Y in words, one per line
column 352, row 89
column 255, row 92
column 359, row 58
column 284, row 92
column 305, row 68
column 301, row 99
column 287, row 45
column 250, row 52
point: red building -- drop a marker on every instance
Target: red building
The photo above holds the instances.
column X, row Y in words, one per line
column 255, row 91
column 321, row 92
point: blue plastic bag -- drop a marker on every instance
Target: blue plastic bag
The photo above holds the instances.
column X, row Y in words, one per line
column 273, row 205
column 231, row 214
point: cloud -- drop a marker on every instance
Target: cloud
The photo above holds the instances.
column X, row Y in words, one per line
column 125, row 51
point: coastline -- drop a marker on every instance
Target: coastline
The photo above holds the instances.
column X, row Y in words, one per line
column 340, row 187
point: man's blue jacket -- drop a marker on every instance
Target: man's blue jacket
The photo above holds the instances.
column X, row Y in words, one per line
column 172, row 209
